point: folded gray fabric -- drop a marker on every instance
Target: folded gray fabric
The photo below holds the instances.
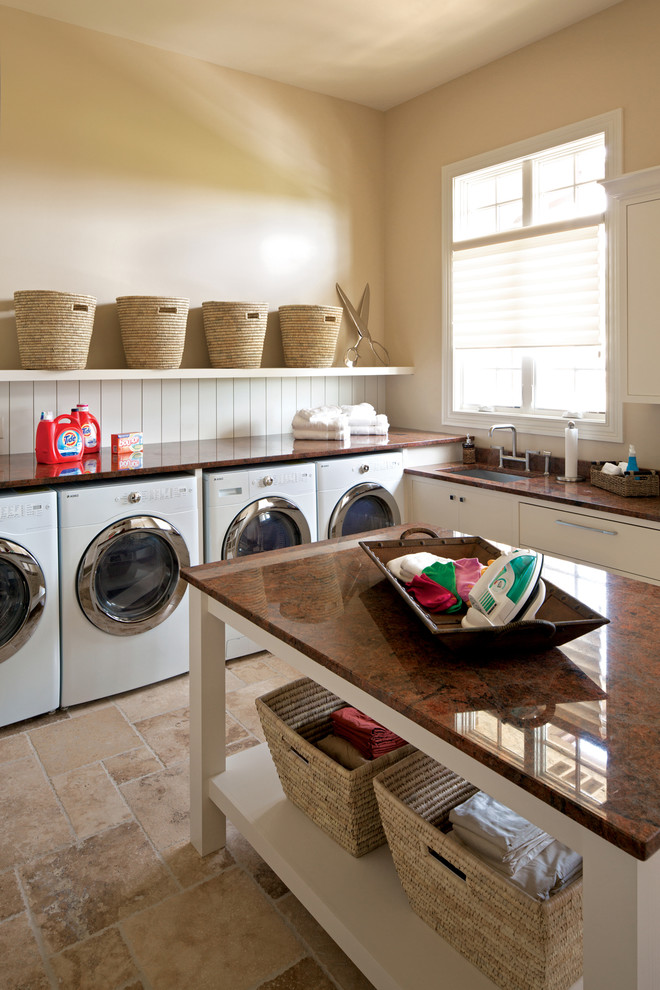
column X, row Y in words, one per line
column 547, row 872
column 487, row 818
column 509, row 862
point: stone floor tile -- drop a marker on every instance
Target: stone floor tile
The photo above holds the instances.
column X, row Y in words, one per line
column 155, row 699
column 251, row 861
column 90, row 799
column 177, row 943
column 102, row 962
column 282, row 668
column 89, row 886
column 234, row 731
column 232, row 682
column 240, row 745
column 252, row 671
column 168, row 735
column 11, row 901
column 14, row 748
column 135, row 763
column 190, row 868
column 21, row 965
column 330, row 956
column 304, row 975
column 60, row 715
column 31, row 821
column 85, row 739
column 161, row 803
column 240, row 704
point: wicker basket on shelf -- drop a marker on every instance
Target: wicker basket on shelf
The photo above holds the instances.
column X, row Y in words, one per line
column 153, row 330
column 235, row 333
column 340, row 801
column 520, row 943
column 641, row 483
column 54, row 329
column 309, row 335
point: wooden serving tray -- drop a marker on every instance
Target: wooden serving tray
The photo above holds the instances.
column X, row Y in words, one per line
column 560, row 619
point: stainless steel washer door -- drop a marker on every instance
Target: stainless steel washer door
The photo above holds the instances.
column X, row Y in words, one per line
column 365, row 507
column 22, row 597
column 266, row 524
column 129, row 577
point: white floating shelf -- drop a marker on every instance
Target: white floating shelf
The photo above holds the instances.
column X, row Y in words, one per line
column 133, row 374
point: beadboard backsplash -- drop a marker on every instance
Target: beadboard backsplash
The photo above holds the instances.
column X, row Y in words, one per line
column 170, row 410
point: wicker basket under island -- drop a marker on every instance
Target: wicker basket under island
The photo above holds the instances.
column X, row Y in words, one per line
column 340, row 801
column 519, row 942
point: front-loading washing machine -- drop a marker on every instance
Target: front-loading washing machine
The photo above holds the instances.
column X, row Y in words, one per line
column 359, row 493
column 251, row 510
column 124, row 621
column 29, row 605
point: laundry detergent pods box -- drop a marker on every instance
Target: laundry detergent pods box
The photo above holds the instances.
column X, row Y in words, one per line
column 126, row 443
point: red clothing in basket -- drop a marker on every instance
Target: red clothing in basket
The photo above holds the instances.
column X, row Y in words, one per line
column 368, row 736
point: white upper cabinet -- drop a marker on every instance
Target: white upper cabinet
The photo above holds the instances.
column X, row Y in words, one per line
column 637, row 290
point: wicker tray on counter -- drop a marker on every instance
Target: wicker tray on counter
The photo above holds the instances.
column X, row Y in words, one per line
column 631, row 484
column 560, row 619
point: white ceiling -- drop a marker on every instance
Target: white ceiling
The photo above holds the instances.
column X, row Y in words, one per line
column 375, row 52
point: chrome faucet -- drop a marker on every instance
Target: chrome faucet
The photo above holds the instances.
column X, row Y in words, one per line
column 506, row 426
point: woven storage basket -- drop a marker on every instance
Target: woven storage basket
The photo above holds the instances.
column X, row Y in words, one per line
column 309, row 335
column 153, row 330
column 235, row 333
column 520, row 943
column 340, row 801
column 641, row 483
column 54, row 329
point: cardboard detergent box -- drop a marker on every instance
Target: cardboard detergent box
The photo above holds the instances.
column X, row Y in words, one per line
column 128, row 461
column 126, row 443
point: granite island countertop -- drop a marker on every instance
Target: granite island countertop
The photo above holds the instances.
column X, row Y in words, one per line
column 22, row 470
column 577, row 726
column 537, row 485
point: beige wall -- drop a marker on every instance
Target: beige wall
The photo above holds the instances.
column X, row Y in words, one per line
column 609, row 61
column 126, row 169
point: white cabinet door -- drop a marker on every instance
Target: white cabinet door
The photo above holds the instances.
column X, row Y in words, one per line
column 473, row 511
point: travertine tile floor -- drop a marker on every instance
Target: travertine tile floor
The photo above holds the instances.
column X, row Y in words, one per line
column 100, row 888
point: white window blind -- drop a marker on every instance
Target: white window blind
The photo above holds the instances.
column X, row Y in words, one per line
column 531, row 291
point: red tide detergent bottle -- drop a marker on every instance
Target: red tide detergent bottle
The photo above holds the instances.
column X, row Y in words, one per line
column 89, row 426
column 58, row 440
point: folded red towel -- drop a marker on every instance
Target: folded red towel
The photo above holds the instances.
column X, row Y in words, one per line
column 368, row 736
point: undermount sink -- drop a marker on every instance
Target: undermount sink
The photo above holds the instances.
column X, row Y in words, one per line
column 486, row 475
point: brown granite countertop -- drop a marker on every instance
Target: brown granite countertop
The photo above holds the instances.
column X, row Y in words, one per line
column 598, row 695
column 22, row 470
column 536, row 485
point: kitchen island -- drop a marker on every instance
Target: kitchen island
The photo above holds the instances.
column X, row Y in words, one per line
column 567, row 738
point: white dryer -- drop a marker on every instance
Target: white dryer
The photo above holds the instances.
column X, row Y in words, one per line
column 124, row 620
column 359, row 493
column 29, row 605
column 252, row 510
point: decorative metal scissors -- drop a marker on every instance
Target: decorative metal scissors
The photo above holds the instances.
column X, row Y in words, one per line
column 359, row 320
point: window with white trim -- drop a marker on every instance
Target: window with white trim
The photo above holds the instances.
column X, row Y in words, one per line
column 528, row 254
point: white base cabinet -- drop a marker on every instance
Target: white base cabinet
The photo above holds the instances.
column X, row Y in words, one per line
column 473, row 511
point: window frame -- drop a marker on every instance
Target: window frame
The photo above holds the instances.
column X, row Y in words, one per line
column 611, row 429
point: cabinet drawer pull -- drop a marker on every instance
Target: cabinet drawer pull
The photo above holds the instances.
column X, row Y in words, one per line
column 591, row 529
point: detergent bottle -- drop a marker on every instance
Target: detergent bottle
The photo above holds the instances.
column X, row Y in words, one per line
column 89, row 426
column 58, row 440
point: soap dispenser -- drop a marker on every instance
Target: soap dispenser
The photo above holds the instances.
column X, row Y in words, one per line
column 469, row 450
column 632, row 459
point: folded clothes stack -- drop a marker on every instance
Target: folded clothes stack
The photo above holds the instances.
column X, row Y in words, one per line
column 439, row 584
column 338, row 422
column 369, row 737
column 529, row 857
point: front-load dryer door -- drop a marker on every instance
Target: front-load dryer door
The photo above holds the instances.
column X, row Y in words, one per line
column 266, row 524
column 129, row 577
column 365, row 507
column 22, row 597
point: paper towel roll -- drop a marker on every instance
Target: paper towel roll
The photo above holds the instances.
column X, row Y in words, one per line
column 570, row 451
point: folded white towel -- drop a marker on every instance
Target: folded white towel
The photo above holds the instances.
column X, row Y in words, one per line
column 611, row 469
column 322, row 433
column 553, row 869
column 377, row 430
column 485, row 817
column 358, row 412
column 411, row 565
column 320, row 416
